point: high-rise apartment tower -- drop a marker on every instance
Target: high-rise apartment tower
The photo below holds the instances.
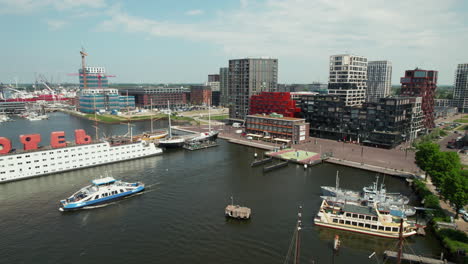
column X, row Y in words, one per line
column 249, row 77
column 348, row 78
column 421, row 83
column 379, row 80
column 460, row 92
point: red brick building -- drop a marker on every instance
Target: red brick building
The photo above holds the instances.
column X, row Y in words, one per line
column 273, row 102
column 421, row 83
column 200, row 95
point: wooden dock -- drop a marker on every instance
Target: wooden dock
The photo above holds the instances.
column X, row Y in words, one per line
column 414, row 258
column 261, row 162
column 275, row 166
column 200, row 145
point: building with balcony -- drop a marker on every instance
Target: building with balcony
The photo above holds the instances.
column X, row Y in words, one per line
column 460, row 92
column 379, row 80
column 386, row 123
column 348, row 78
column 421, row 83
column 249, row 77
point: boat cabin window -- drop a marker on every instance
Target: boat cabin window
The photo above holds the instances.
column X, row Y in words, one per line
column 96, row 197
column 354, row 223
column 395, row 229
column 348, row 222
column 388, row 228
column 361, row 217
column 354, row 215
column 381, row 228
column 341, row 221
column 374, row 227
column 367, row 225
column 348, row 214
column 361, row 224
column 368, row 217
column 121, row 190
column 335, row 220
column 374, row 218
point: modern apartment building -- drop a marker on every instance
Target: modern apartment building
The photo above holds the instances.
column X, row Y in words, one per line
column 223, row 86
column 348, row 78
column 157, row 97
column 213, row 82
column 386, row 123
column 460, row 92
column 379, row 80
column 249, row 77
column 421, row 83
column 200, row 95
column 277, row 128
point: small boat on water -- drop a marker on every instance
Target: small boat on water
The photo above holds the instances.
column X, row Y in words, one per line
column 371, row 194
column 237, row 211
column 100, row 191
column 170, row 141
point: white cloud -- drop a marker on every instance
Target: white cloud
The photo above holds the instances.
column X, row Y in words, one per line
column 194, row 12
column 55, row 24
column 316, row 29
column 29, row 6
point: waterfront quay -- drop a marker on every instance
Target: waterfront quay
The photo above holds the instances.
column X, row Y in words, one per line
column 397, row 162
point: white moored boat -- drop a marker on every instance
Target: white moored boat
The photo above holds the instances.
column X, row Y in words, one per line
column 362, row 219
column 101, row 191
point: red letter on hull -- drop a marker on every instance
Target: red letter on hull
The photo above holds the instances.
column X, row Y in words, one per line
column 57, row 139
column 81, row 137
column 5, row 145
column 30, row 141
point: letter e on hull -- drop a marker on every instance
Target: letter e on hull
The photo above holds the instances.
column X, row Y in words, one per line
column 57, row 139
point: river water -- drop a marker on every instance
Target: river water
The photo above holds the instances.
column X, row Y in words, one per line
column 180, row 218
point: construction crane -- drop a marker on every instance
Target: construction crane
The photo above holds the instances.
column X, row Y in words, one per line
column 98, row 75
column 83, row 67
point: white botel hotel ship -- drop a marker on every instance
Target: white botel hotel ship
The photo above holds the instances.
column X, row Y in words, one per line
column 361, row 219
column 54, row 159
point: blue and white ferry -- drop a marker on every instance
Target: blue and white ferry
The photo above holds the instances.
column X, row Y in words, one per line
column 101, row 191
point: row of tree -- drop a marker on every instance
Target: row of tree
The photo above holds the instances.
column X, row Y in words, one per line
column 445, row 170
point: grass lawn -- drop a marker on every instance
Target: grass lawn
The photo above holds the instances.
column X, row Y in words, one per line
column 462, row 128
column 220, row 117
column 461, row 120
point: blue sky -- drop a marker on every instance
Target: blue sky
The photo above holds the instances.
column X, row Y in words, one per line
column 184, row 41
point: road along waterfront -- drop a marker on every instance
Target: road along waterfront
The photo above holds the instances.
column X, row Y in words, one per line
column 180, row 218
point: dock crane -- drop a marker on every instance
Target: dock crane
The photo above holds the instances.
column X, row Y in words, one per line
column 83, row 67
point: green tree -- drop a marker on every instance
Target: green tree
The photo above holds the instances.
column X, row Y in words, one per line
column 425, row 155
column 443, row 165
column 455, row 189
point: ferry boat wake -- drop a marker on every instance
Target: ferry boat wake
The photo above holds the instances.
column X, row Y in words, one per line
column 101, row 191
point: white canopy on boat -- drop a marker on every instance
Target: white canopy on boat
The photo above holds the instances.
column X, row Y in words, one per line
column 103, row 180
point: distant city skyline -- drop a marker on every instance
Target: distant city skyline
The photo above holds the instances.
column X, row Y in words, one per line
column 159, row 42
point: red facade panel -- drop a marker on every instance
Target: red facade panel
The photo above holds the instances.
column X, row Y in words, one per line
column 421, row 83
column 273, row 102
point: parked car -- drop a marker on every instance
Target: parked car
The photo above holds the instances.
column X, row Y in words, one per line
column 465, row 217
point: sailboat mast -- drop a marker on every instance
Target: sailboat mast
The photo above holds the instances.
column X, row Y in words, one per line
column 337, row 182
column 151, row 114
column 400, row 242
column 169, row 114
column 297, row 254
column 209, row 116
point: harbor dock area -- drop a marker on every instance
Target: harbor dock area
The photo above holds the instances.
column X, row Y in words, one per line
column 399, row 162
column 295, row 155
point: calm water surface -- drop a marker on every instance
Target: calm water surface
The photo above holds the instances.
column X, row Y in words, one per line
column 180, row 218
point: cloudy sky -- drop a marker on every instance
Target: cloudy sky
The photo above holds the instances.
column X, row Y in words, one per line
column 183, row 41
